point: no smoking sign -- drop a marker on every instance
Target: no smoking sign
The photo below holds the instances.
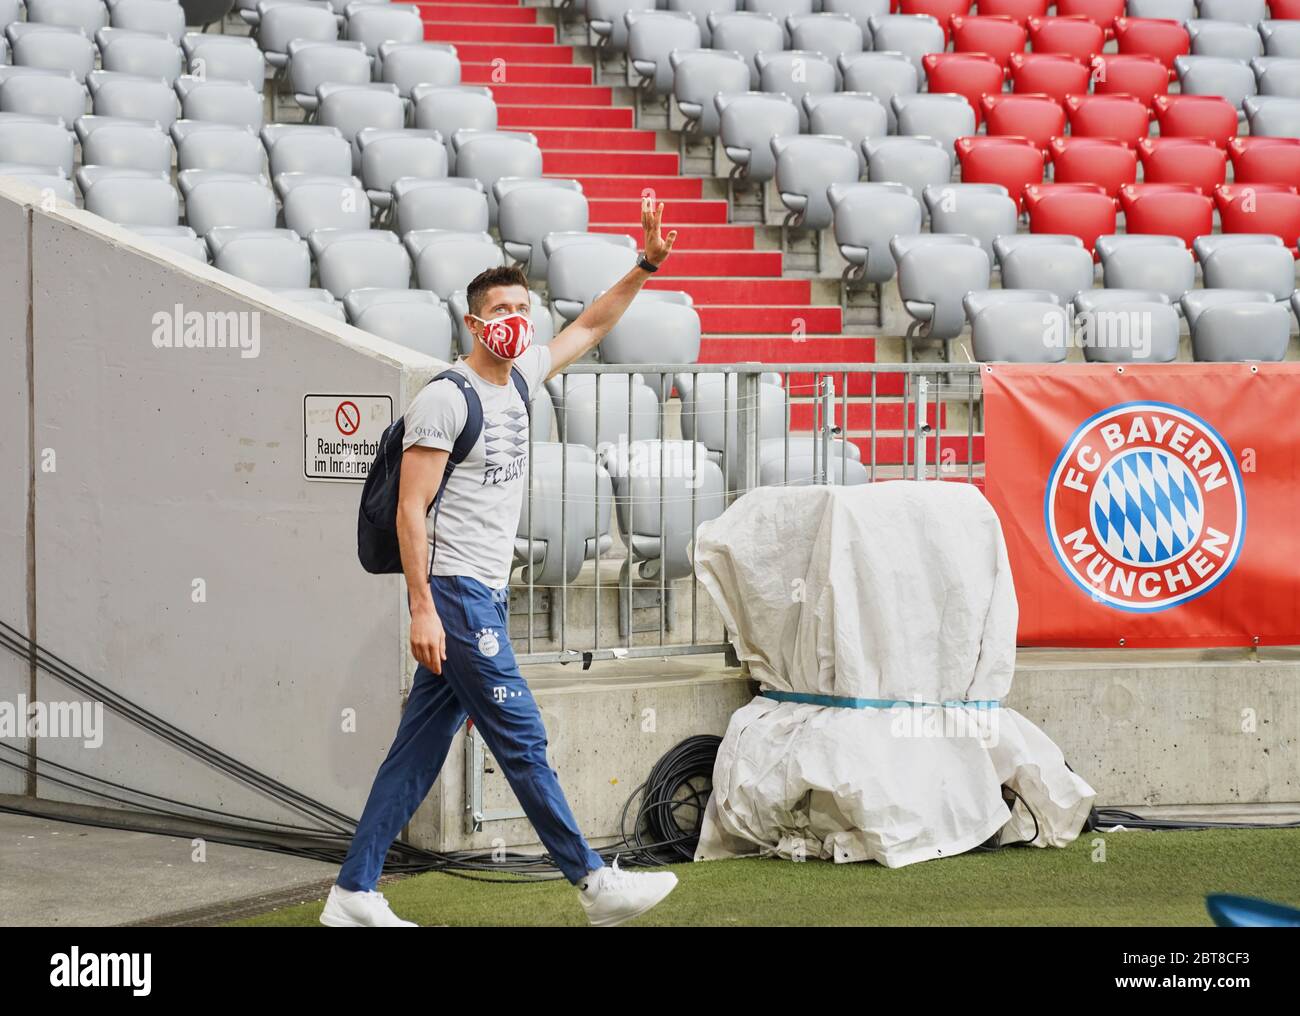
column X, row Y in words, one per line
column 341, row 434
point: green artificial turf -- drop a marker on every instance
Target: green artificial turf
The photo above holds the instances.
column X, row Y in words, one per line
column 1147, row 878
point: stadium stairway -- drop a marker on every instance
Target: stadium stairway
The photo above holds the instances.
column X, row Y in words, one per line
column 749, row 309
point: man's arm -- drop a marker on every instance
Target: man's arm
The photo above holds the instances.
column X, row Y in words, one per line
column 594, row 323
column 422, row 470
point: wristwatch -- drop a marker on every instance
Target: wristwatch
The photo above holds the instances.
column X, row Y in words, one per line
column 641, row 262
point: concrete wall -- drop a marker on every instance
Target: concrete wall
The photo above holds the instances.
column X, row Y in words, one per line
column 175, row 466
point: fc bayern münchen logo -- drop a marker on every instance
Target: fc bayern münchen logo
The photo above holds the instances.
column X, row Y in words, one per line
column 1144, row 507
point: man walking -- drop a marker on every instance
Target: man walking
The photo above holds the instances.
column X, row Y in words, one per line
column 458, row 600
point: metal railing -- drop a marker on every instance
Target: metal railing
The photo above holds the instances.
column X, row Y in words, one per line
column 840, row 421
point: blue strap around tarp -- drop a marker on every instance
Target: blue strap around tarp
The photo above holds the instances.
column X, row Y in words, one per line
column 845, row 702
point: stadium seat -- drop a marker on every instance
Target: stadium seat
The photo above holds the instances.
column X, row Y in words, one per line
column 1143, row 77
column 1260, row 208
column 1108, row 116
column 1224, row 38
column 407, row 64
column 854, row 116
column 279, row 24
column 1012, row 162
column 1108, row 245
column 651, row 36
column 227, row 200
column 997, row 36
column 135, row 146
column 1101, row 12
column 180, row 239
column 1173, row 10
column 388, row 154
column 1281, row 37
column 159, row 17
column 315, row 201
column 606, row 21
column 450, row 203
column 359, row 259
column 1277, row 75
column 1108, row 332
column 1158, row 38
column 274, row 258
column 312, row 63
column 1197, row 161
column 1020, row 10
column 1248, row 12
column 1165, row 268
column 582, row 265
column 1231, row 80
column 1049, row 74
column 805, row 166
column 658, row 326
column 1273, row 116
column 1197, row 300
column 866, row 217
column 1020, row 332
column 88, row 15
column 352, row 108
column 828, row 33
column 234, row 102
column 36, row 143
column 1238, row 332
column 1036, row 117
column 134, row 97
column 797, row 462
column 414, row 318
column 883, row 75
column 1196, row 116
column 1082, row 210
column 747, row 123
column 699, row 75
column 375, row 24
column 529, row 210
column 448, row 110
column 977, row 299
column 1265, row 160
column 708, row 415
column 1167, row 209
column 1107, row 162
column 913, row 35
column 944, row 116
column 1004, row 245
column 934, row 272
column 971, row 75
column 145, row 200
column 914, row 162
column 1061, row 269
column 227, row 147
column 982, row 210
column 561, row 542
column 746, row 33
column 54, row 48
column 306, row 148
column 223, row 58
column 446, row 261
column 129, row 52
column 1205, row 246
column 1265, row 267
column 1073, row 36
column 580, row 422
column 940, row 10
column 1089, row 301
column 795, row 73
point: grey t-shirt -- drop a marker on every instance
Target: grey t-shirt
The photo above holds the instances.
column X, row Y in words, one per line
column 478, row 516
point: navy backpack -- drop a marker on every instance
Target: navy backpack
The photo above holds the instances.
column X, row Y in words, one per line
column 377, row 545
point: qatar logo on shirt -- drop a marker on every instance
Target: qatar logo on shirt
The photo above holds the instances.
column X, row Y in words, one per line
column 1145, row 508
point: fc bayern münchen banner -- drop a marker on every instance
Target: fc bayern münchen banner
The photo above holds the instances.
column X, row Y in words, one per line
column 1148, row 505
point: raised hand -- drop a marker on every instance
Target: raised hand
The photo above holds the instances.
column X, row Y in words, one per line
column 657, row 246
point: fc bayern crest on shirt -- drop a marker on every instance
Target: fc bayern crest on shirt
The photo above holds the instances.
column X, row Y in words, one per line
column 1145, row 507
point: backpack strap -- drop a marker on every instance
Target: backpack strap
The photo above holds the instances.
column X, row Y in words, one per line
column 521, row 386
column 465, row 440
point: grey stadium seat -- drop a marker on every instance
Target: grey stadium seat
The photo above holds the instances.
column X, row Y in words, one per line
column 606, row 23
column 180, row 239
column 855, row 116
column 160, row 17
column 581, row 265
column 220, row 146
column 282, row 23
column 699, row 75
column 235, row 102
column 934, row 273
column 361, row 259
column 53, row 48
column 1062, row 269
column 225, row 58
column 984, row 211
column 1167, row 10
column 1110, row 243
column 1232, row 79
column 1168, row 269
column 136, row 146
column 1088, row 300
column 43, row 93
column 913, row 35
column 709, row 416
column 1273, row 116
column 314, row 202
column 407, row 64
column 654, row 330
column 575, row 398
column 1204, row 246
column 447, row 261
column 977, row 299
column 806, row 164
column 352, row 108
column 88, row 15
column 747, row 33
column 561, row 542
column 747, row 123
column 36, row 143
column 702, row 9
column 134, row 200
column 796, row 73
column 306, row 148
column 1248, row 12
column 884, row 75
column 943, row 116
column 651, row 37
column 136, row 97
column 447, row 110
column 1235, row 332
column 867, row 216
column 229, row 202
column 1197, row 300
column 450, row 203
column 1004, row 245
column 374, row 24
column 1269, row 267
column 312, row 63
column 916, row 163
column 1277, row 75
column 1224, row 38
column 487, row 156
column 831, row 34
column 411, row 317
column 130, row 52
column 1020, row 332
column 1281, row 38
column 274, row 258
column 1121, row 331
column 387, row 154
column 798, row 463
column 531, row 208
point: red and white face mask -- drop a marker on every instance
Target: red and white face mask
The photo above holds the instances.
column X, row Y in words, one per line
column 507, row 336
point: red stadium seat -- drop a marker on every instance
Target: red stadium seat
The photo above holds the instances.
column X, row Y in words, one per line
column 1077, row 37
column 998, row 37
column 1167, row 209
column 1037, row 117
column 1155, row 37
column 1106, row 162
column 1196, row 161
column 1265, row 160
column 1284, row 10
column 973, row 75
column 1021, row 10
column 1196, row 116
column 1075, row 209
column 1142, row 76
column 1012, row 162
column 1049, row 74
column 1100, row 12
column 1108, row 116
column 940, row 9
column 1260, row 208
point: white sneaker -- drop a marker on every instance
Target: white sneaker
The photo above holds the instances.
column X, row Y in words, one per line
column 611, row 895
column 347, row 909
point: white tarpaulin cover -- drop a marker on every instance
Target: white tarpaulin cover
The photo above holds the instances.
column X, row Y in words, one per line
column 880, row 593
